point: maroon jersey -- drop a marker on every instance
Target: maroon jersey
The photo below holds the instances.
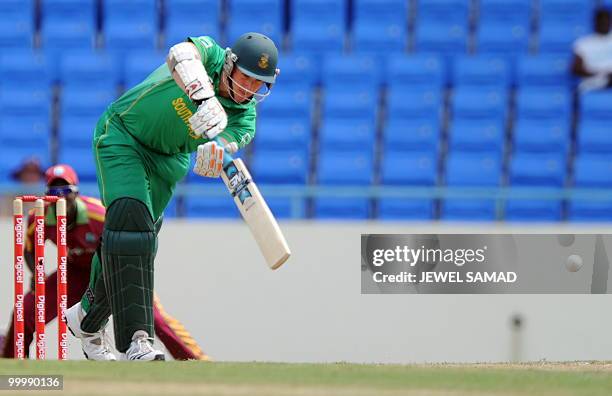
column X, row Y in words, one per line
column 83, row 236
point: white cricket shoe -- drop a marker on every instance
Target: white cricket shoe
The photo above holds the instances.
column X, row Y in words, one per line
column 96, row 346
column 141, row 349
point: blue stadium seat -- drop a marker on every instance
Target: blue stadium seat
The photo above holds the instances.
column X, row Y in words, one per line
column 139, row 65
column 409, row 168
column 534, row 169
column 16, row 36
column 180, row 31
column 414, row 102
column 457, row 209
column 594, row 137
column 592, row 171
column 542, row 136
column 590, row 211
column 350, row 102
column 542, row 71
column 130, row 25
column 596, row 106
column 485, row 135
column 90, row 69
column 21, row 66
column 380, row 26
column 282, row 208
column 24, row 130
column 502, row 39
column 342, row 208
column 171, row 210
column 537, row 103
column 445, row 38
column 524, row 210
column 263, row 16
column 76, row 102
column 345, row 168
column 68, row 24
column 451, row 11
column 566, row 11
column 67, row 35
column 126, row 36
column 479, row 103
column 380, row 38
column 347, row 133
column 77, row 131
column 287, row 102
column 185, row 18
column 481, row 71
column 16, row 9
column 125, row 10
column 414, row 168
column 82, row 159
column 34, row 101
column 298, row 69
column 284, row 133
column 211, row 207
column 314, row 39
column 471, row 170
column 405, row 209
column 318, row 26
column 412, row 134
column 506, row 12
column 280, row 166
column 351, row 71
column 557, row 38
column 16, row 24
column 416, row 70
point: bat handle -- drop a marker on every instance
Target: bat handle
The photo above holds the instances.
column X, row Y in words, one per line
column 227, row 157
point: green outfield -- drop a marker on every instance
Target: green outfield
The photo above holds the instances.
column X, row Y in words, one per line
column 271, row 379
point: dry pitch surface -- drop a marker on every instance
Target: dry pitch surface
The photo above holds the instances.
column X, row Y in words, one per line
column 272, row 379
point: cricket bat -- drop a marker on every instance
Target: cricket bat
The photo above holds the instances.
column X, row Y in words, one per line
column 255, row 212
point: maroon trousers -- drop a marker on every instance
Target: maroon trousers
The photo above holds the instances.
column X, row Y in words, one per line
column 169, row 330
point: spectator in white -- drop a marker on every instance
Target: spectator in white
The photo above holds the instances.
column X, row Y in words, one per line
column 593, row 55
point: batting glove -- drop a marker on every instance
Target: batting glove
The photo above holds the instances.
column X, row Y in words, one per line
column 209, row 160
column 210, row 119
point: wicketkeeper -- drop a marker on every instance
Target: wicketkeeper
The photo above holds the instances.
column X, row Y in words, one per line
column 85, row 223
column 203, row 99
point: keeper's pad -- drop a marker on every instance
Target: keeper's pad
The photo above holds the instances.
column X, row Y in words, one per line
column 183, row 58
column 129, row 244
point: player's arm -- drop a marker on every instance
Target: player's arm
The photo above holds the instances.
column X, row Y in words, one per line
column 579, row 68
column 239, row 133
column 185, row 63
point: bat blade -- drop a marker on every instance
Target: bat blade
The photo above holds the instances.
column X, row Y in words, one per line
column 256, row 213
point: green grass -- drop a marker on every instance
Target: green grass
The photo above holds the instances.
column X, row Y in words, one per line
column 321, row 379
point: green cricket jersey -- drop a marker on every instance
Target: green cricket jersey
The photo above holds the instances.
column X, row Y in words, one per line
column 156, row 111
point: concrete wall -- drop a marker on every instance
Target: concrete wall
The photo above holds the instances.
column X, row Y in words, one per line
column 211, row 277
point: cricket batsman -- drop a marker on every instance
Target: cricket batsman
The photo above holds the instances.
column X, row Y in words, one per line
column 201, row 100
column 85, row 222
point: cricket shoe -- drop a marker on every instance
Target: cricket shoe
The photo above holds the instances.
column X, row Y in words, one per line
column 96, row 346
column 141, row 349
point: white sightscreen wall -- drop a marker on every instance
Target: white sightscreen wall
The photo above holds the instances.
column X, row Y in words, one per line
column 210, row 276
